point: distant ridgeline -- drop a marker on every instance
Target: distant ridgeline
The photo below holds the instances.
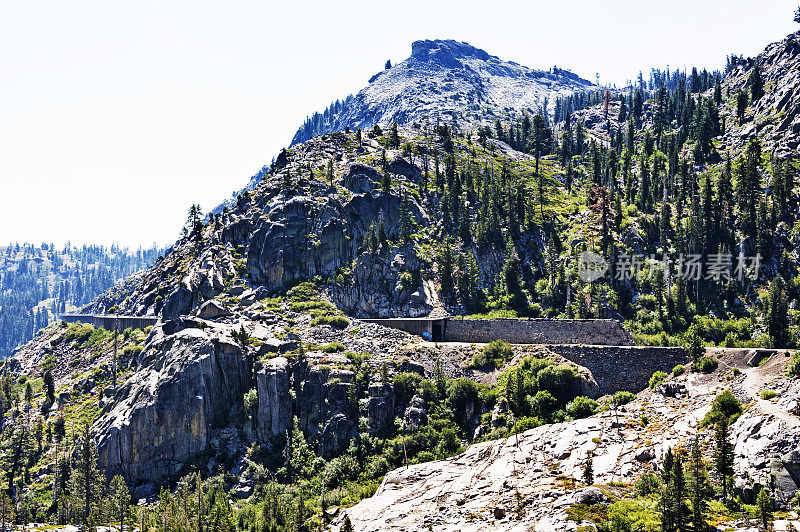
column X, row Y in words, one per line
column 39, row 282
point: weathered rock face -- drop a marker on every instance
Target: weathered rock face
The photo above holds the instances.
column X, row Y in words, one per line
column 298, row 238
column 193, row 383
column 360, row 178
column 381, row 406
column 775, row 117
column 416, row 414
column 274, row 400
column 385, row 284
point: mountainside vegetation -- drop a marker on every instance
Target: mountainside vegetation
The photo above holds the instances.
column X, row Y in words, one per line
column 262, row 402
column 38, row 283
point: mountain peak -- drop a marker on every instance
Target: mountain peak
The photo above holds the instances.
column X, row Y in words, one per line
column 446, row 79
column 446, row 51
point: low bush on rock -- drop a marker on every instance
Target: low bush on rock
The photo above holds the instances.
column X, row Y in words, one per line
column 705, row 365
column 494, row 354
column 656, row 379
column 725, row 406
column 793, row 367
column 623, row 398
column 581, row 407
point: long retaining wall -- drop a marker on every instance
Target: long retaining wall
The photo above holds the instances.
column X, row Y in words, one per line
column 626, row 368
column 110, row 321
column 537, row 331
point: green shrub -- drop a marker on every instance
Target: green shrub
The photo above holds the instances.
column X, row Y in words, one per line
column 725, row 406
column 333, row 347
column 768, row 394
column 543, row 405
column 581, row 407
column 623, row 398
column 405, row 386
column 562, row 381
column 705, row 365
column 79, row 333
column 250, row 401
column 493, row 355
column 793, row 367
column 630, row 514
column 462, row 392
column 131, row 351
column 656, row 379
column 527, row 423
column 678, row 370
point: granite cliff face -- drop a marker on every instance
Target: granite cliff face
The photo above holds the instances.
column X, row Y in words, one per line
column 775, row 116
column 448, row 80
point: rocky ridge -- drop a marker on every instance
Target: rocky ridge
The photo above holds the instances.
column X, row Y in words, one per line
column 775, row 117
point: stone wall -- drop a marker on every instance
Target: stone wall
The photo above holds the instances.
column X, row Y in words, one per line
column 538, row 331
column 626, row 368
column 110, row 321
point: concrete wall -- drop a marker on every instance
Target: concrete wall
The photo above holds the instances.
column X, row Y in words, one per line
column 110, row 321
column 538, row 331
column 626, row 368
column 420, row 326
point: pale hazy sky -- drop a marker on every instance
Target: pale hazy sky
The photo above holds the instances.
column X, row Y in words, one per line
column 116, row 116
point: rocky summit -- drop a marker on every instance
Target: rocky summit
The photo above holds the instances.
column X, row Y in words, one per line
column 449, row 81
column 392, row 328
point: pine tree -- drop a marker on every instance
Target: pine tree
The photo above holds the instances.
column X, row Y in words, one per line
column 300, row 515
column 386, row 182
column 6, row 510
column 776, row 317
column 678, row 493
column 666, row 502
column 588, row 469
column 699, row 481
column 644, row 197
column 764, row 503
column 394, row 137
column 468, row 288
column 741, row 104
column 756, row 82
column 120, row 500
column 441, row 381
column 444, row 263
column 723, row 456
column 87, row 478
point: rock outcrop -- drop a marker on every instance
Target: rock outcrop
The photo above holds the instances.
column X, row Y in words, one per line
column 192, row 383
column 274, row 399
